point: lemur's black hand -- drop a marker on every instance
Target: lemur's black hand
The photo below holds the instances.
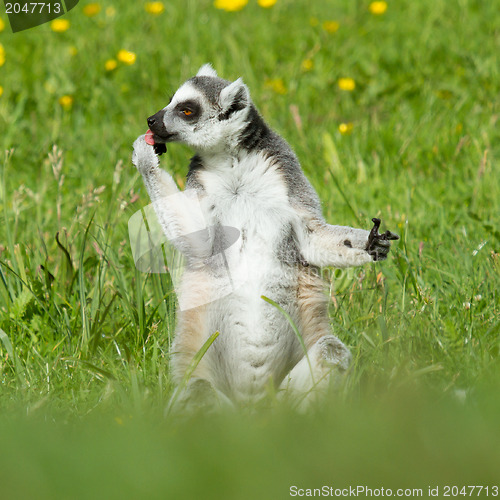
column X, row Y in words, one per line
column 159, row 148
column 378, row 245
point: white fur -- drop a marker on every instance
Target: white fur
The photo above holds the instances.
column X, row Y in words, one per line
column 248, row 194
column 207, row 70
column 185, row 92
column 228, row 93
column 246, row 191
column 325, row 246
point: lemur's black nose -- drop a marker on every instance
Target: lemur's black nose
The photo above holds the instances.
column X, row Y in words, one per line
column 156, row 125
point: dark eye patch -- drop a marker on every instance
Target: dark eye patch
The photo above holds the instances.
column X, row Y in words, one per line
column 188, row 110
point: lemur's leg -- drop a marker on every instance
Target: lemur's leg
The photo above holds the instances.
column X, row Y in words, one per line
column 192, row 329
column 178, row 212
column 326, row 361
column 200, row 393
column 341, row 246
column 327, row 356
column 312, row 303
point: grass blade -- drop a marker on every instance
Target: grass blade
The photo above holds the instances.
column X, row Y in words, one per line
column 7, row 343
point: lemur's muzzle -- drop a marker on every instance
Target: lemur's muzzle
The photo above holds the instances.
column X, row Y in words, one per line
column 157, row 126
column 157, row 134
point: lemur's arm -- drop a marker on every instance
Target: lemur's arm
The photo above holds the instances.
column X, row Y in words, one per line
column 340, row 246
column 178, row 212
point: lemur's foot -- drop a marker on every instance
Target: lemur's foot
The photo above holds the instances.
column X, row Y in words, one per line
column 199, row 396
column 144, row 156
column 378, row 245
column 334, row 353
column 324, row 367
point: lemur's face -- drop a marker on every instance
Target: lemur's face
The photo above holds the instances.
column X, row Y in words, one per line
column 205, row 113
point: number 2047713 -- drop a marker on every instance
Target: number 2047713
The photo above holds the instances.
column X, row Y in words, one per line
column 470, row 491
column 33, row 8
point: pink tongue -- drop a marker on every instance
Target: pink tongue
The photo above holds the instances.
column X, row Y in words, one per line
column 149, row 138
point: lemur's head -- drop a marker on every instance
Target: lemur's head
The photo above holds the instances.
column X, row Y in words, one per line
column 206, row 113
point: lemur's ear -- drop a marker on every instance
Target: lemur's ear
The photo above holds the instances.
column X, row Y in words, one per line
column 206, row 70
column 234, row 97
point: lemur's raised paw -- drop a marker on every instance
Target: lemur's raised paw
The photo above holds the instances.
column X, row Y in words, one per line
column 144, row 156
column 378, row 245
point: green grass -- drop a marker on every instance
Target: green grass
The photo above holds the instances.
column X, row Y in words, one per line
column 84, row 340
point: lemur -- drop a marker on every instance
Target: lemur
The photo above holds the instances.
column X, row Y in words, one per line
column 245, row 176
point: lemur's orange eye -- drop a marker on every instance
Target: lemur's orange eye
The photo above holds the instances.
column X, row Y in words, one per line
column 187, row 112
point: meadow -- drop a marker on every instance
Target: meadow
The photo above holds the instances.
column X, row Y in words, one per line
column 393, row 109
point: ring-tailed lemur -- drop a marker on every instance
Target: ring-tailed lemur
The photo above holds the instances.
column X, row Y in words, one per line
column 247, row 177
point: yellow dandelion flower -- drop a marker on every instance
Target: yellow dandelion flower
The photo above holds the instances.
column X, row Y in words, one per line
column 2, row 24
column 110, row 64
column 307, row 65
column 230, row 5
column 72, row 50
column 346, row 84
column 110, row 12
column 277, row 86
column 154, row 8
column 66, row 101
column 331, row 26
column 92, row 9
column 266, row 3
column 1, row 91
column 2, row 55
column 346, row 128
column 378, row 8
column 126, row 57
column 59, row 25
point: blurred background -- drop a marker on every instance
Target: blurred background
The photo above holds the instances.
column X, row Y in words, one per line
column 392, row 108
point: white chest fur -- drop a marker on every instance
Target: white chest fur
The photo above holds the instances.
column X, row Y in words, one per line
column 249, row 194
